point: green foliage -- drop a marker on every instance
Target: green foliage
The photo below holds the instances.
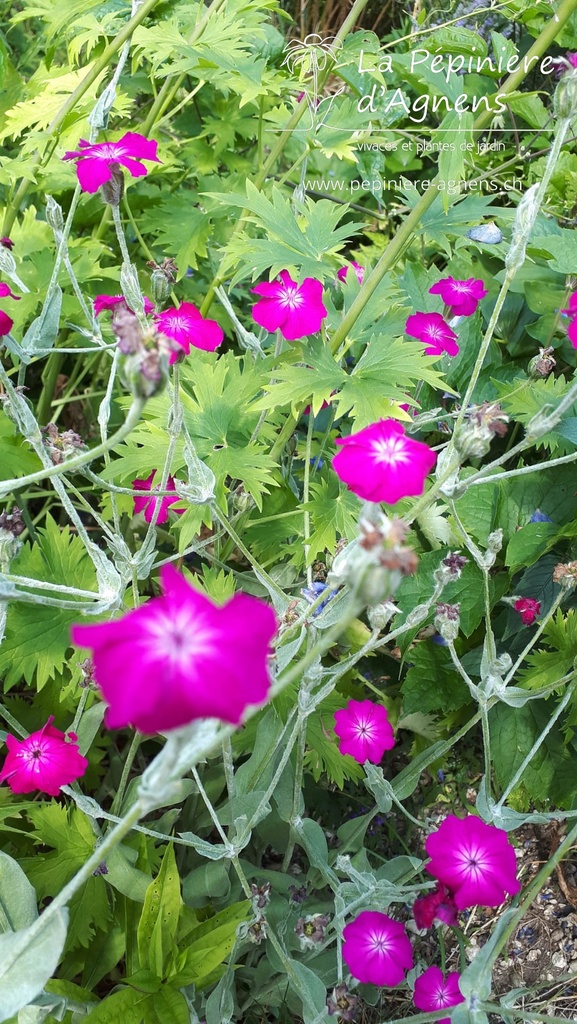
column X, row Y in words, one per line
column 69, row 835
column 57, row 557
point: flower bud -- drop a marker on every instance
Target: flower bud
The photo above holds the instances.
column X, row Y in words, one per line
column 381, row 614
column 565, row 98
column 525, row 217
column 375, row 563
column 7, row 242
column 112, row 190
column 447, row 621
column 484, row 421
column 162, row 279
column 54, row 216
column 450, row 568
column 11, row 526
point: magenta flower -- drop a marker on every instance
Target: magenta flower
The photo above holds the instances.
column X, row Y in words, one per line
column 376, row 949
column 475, row 861
column 6, row 323
column 5, row 292
column 148, row 504
column 294, row 309
column 572, row 307
column 179, row 657
column 433, row 992
column 381, row 463
column 364, row 730
column 96, row 162
column 112, row 302
column 46, row 760
column 6, row 242
column 185, row 325
column 529, row 609
column 439, row 905
column 434, row 332
column 462, row 296
column 359, row 271
column 572, row 332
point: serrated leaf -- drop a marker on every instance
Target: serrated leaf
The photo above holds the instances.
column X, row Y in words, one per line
column 37, row 636
column 334, row 513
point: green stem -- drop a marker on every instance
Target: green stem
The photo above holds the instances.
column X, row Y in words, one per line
column 126, row 769
column 134, row 413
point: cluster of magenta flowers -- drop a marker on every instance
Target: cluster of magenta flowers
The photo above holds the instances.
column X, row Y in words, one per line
column 474, row 865
column 6, row 322
column 460, row 298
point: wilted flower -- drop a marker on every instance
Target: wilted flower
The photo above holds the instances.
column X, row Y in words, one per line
column 115, row 303
column 96, row 162
column 474, row 860
column 180, row 657
column 60, row 446
column 188, row 328
column 359, row 271
column 528, row 608
column 565, row 573
column 294, row 309
column 447, row 618
column 342, row 1003
column 462, row 296
column 544, row 363
column 439, row 905
column 380, row 463
column 148, row 504
column 46, row 760
column 12, row 523
column 260, row 895
column 455, row 563
column 376, row 949
column 434, row 332
column 434, row 992
column 310, row 930
column 364, row 730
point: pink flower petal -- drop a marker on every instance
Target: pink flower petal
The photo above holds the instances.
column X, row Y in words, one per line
column 6, row 324
column 92, row 173
column 44, row 761
column 376, row 949
column 179, row 657
column 380, row 463
column 474, row 860
column 364, row 730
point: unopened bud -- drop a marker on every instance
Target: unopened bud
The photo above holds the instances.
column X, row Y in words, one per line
column 525, row 217
column 565, row 98
column 376, row 562
column 112, row 190
column 447, row 621
column 162, row 279
column 482, row 423
column 381, row 614
column 6, row 242
column 54, row 216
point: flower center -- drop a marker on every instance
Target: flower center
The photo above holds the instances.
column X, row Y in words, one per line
column 177, row 637
column 380, row 943
column 390, row 450
column 109, row 151
column 291, row 297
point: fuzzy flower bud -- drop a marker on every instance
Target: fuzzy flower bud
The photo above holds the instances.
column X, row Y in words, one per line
column 482, row 423
column 450, row 568
column 54, row 216
column 11, row 526
column 565, row 98
column 543, row 364
column 447, row 621
column 112, row 190
column 376, row 562
column 147, row 354
column 525, row 217
column 381, row 614
column 162, row 279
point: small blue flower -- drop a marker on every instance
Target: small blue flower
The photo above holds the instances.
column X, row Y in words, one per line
column 438, row 639
column 540, row 517
column 317, row 462
column 311, row 593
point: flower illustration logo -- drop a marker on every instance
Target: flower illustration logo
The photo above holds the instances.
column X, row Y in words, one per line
column 307, row 58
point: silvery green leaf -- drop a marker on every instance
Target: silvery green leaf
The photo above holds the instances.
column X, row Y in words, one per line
column 379, row 786
column 43, row 331
column 28, row 958
column 212, row 851
column 18, row 907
